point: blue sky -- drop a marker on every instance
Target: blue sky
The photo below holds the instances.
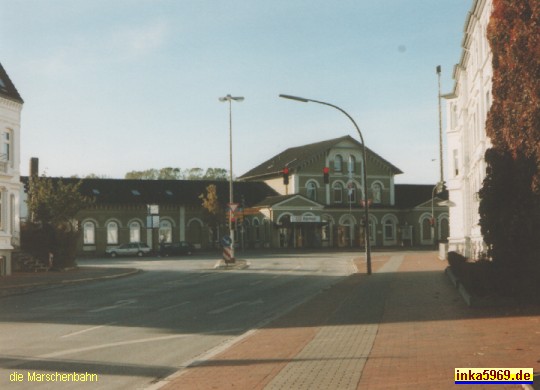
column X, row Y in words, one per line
column 112, row 86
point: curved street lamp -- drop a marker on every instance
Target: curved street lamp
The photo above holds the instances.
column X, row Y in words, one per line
column 229, row 99
column 364, row 173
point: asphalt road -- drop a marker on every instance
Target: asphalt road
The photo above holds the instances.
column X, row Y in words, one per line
column 134, row 331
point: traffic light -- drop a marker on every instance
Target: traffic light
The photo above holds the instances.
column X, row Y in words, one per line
column 285, row 172
column 325, row 172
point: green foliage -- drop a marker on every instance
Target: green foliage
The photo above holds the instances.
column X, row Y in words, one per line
column 179, row 174
column 55, row 203
column 53, row 207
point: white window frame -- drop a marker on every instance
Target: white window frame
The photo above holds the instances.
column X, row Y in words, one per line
column 134, row 231
column 89, row 233
column 112, row 233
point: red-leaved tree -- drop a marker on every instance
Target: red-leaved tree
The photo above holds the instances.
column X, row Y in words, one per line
column 510, row 196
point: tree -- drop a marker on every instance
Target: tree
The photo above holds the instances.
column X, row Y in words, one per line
column 53, row 207
column 216, row 174
column 149, row 174
column 514, row 119
column 170, row 173
column 214, row 212
column 510, row 196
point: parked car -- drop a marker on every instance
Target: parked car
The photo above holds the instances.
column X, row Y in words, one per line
column 132, row 249
column 176, row 248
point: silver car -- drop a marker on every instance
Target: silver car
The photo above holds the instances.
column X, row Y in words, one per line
column 132, row 249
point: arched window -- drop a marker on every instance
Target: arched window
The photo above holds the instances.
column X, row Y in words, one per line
column 352, row 163
column 389, row 230
column 338, row 192
column 134, row 232
column 89, row 233
column 112, row 233
column 311, row 189
column 390, row 223
column 351, row 192
column 165, row 231
column 377, row 193
column 338, row 163
column 426, row 229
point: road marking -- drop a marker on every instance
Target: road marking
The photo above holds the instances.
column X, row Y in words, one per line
column 87, row 330
column 225, row 308
column 115, row 306
column 174, row 306
column 116, row 344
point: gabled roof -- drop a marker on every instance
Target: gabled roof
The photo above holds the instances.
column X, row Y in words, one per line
column 186, row 192
column 412, row 195
column 294, row 158
column 273, row 201
column 7, row 88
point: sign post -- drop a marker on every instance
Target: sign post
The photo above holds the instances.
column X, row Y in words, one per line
column 228, row 255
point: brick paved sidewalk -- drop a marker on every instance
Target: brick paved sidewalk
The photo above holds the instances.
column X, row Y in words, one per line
column 404, row 327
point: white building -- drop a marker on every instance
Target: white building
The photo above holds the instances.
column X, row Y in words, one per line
column 467, row 108
column 10, row 126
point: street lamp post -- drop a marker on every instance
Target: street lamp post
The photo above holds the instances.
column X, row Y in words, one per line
column 439, row 187
column 441, row 179
column 229, row 99
column 364, row 173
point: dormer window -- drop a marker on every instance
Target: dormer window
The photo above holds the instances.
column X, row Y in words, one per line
column 338, row 163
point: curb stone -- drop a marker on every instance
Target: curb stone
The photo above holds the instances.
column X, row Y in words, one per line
column 237, row 265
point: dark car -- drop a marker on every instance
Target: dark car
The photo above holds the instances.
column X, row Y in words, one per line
column 176, row 248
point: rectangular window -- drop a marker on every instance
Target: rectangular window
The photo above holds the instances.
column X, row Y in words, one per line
column 6, row 146
column 456, row 162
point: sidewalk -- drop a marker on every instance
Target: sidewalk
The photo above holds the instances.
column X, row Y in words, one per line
column 404, row 327
column 20, row 282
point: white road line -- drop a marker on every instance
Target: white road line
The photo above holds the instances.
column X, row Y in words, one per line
column 224, row 292
column 87, row 330
column 115, row 306
column 174, row 306
column 109, row 345
column 225, row 308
